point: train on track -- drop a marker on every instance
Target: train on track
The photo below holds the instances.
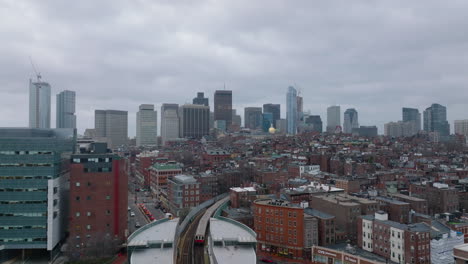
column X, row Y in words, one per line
column 205, row 220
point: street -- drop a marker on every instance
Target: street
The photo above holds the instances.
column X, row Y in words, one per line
column 135, row 198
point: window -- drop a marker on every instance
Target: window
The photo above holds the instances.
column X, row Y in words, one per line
column 89, row 184
column 77, row 198
column 77, row 214
column 88, row 213
column 88, row 227
column 77, row 184
column 88, row 197
column 107, row 197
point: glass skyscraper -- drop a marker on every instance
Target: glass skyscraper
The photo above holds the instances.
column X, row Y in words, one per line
column 223, row 106
column 350, row 120
column 435, row 120
column 291, row 110
column 275, row 109
column 39, row 104
column 66, row 109
column 34, row 175
column 413, row 116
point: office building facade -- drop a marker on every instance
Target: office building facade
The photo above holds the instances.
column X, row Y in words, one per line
column 112, row 127
column 169, row 122
column 146, row 126
column 253, row 117
column 412, row 116
column 365, row 131
column 39, row 104
column 275, row 109
column 350, row 120
column 333, row 118
column 65, row 106
column 435, row 120
column 267, row 121
column 461, row 127
column 223, row 106
column 291, row 110
column 314, row 122
column 34, row 175
column 200, row 99
column 194, row 121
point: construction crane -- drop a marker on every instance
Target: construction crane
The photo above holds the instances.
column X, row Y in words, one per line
column 38, row 74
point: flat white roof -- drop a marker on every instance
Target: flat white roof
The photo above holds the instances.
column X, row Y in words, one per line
column 243, row 189
column 235, row 254
column 160, row 233
column 224, row 230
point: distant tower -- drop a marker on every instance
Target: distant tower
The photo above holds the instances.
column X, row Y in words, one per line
column 435, row 120
column 66, row 117
column 194, row 121
column 413, row 116
column 39, row 104
column 350, row 120
column 169, row 122
column 112, row 125
column 291, row 110
column 333, row 118
column 275, row 109
column 253, row 117
column 200, row 99
column 146, row 126
column 223, row 106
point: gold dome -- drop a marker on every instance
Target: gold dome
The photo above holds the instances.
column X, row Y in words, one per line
column 271, row 130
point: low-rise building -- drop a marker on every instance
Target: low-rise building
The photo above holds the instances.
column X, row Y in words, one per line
column 183, row 192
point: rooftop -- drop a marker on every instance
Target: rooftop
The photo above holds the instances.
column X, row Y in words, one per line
column 185, row 179
column 243, row 189
column 390, row 200
column 317, row 213
column 163, row 166
column 243, row 248
column 153, row 243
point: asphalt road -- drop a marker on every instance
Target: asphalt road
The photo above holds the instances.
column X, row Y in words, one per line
column 135, row 198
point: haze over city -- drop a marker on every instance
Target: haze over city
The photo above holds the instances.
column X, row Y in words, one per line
column 375, row 57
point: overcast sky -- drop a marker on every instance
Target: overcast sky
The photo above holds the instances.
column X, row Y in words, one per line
column 375, row 56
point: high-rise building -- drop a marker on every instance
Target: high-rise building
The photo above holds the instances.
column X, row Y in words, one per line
column 350, row 120
column 253, row 117
column 98, row 199
column 34, row 179
column 111, row 126
column 236, row 121
column 146, row 126
column 435, row 120
column 291, row 110
column 275, row 109
column 399, row 129
column 39, row 104
column 200, row 99
column 365, row 131
column 66, row 110
column 300, row 109
column 223, row 106
column 412, row 115
column 267, row 121
column 314, row 122
column 194, row 121
column 169, row 122
column 333, row 118
column 461, row 127
column 281, row 125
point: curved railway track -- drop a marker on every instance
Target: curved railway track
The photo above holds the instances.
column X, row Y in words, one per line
column 185, row 247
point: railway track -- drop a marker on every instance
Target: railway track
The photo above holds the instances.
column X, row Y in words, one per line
column 186, row 252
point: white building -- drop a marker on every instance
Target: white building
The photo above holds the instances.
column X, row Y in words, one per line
column 39, row 104
column 169, row 122
column 146, row 126
column 333, row 118
column 461, row 127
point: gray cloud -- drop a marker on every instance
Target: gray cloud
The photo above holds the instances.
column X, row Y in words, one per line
column 376, row 56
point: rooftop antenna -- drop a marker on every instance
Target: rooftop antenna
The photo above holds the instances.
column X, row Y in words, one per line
column 38, row 74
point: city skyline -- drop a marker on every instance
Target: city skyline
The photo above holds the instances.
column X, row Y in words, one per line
column 330, row 67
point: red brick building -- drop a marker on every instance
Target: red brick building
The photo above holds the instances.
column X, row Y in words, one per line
column 441, row 198
column 143, row 162
column 160, row 172
column 98, row 198
column 284, row 230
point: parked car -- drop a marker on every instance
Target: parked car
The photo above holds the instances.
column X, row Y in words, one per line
column 132, row 214
column 137, row 225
